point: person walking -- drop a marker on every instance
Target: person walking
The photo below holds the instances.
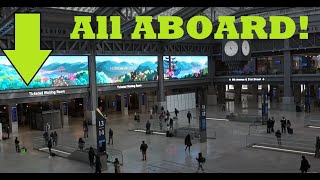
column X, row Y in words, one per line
column 16, row 142
column 176, row 112
column 55, row 138
column 304, row 166
column 278, row 135
column 283, row 122
column 52, row 137
column 85, row 129
column 91, row 157
column 201, row 160
column 151, row 112
column 288, row 126
column 162, row 108
column 98, row 164
column 116, row 164
column 143, row 149
column 50, row 146
column 189, row 117
column 168, row 114
column 316, row 154
column 110, row 136
column 187, row 142
column 155, row 109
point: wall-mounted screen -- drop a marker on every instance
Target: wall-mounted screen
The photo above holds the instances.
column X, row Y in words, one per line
column 57, row 71
column 124, row 69
column 183, row 67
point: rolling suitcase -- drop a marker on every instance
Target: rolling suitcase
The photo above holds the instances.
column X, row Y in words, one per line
column 290, row 130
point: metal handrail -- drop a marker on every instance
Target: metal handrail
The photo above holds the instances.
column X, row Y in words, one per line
column 74, row 146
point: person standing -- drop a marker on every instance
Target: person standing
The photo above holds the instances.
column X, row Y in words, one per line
column 278, row 135
column 168, row 114
column 187, row 142
column 272, row 124
column 98, row 164
column 55, row 138
column 288, row 125
column 171, row 123
column 151, row 113
column 91, row 157
column 162, row 108
column 110, row 136
column 283, row 122
column 50, row 146
column 148, row 125
column 176, row 112
column 223, row 107
column 269, row 126
column 143, row 149
column 8, row 130
column 116, row 164
column 316, row 154
column 16, row 142
column 304, row 166
column 155, row 109
column 161, row 125
column 189, row 117
column 85, row 129
column 47, row 127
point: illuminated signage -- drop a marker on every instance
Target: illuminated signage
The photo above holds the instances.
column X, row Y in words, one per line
column 246, row 79
column 129, row 86
column 46, row 93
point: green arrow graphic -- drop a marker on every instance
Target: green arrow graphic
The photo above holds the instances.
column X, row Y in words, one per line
column 27, row 57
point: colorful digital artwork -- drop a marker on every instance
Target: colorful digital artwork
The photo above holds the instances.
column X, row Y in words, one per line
column 124, row 69
column 183, row 67
column 57, row 71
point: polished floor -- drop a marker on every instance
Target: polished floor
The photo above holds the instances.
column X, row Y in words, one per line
column 225, row 154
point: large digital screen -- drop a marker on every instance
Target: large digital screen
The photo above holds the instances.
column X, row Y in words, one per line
column 183, row 67
column 124, row 69
column 57, row 71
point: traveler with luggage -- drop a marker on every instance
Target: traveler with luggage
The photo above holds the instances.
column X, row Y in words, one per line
column 283, row 122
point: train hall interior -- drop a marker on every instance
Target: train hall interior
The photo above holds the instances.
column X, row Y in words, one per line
column 229, row 96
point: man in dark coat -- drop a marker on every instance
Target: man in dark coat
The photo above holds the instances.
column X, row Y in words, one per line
column 50, row 146
column 148, row 125
column 143, row 149
column 189, row 116
column 98, row 164
column 91, row 157
column 305, row 166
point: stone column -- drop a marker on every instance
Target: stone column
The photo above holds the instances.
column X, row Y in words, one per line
column 124, row 104
column 287, row 99
column 237, row 94
column 93, row 97
column 13, row 118
column 161, row 98
column 64, row 112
